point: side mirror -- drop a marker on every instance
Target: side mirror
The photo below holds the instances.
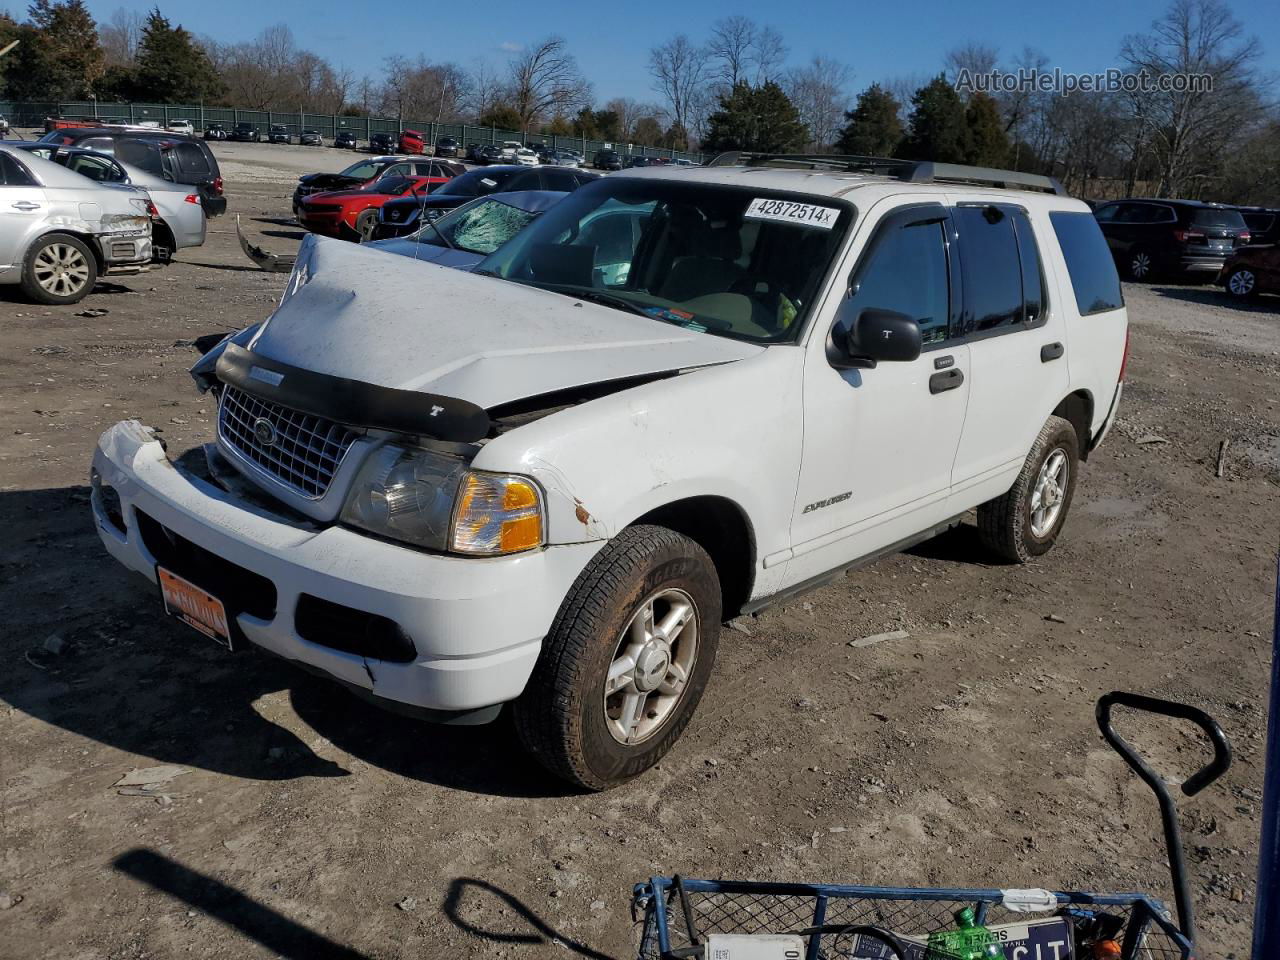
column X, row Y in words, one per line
column 871, row 335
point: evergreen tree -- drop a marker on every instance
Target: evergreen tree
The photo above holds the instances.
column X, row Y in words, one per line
column 647, row 131
column 500, row 115
column 936, row 128
column 761, row 119
column 988, row 145
column 58, row 56
column 172, row 67
column 873, row 128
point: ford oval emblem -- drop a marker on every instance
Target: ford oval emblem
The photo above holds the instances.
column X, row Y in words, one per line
column 264, row 432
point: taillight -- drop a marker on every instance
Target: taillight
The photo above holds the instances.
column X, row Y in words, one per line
column 217, row 185
column 1124, row 360
column 151, row 209
column 191, row 198
column 1180, row 236
column 1245, row 236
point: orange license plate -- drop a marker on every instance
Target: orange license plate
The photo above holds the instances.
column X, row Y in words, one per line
column 194, row 606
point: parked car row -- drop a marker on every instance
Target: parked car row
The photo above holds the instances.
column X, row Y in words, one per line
column 1156, row 238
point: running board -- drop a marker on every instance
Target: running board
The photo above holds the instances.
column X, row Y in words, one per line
column 753, row 607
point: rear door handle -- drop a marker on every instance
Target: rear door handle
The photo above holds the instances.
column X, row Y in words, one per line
column 1051, row 351
column 25, row 206
column 945, row 380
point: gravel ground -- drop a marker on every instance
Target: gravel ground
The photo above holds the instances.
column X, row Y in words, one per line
column 307, row 824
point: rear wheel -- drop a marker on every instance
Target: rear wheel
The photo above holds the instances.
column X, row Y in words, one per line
column 59, row 269
column 626, row 661
column 1141, row 266
column 1025, row 522
column 1242, row 283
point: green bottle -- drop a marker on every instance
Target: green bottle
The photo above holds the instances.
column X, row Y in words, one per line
column 971, row 941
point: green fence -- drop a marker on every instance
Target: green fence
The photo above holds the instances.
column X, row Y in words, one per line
column 33, row 114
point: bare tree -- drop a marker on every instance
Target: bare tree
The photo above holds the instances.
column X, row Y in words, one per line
column 1190, row 128
column 975, row 58
column 679, row 71
column 730, row 48
column 628, row 112
column 120, row 35
column 820, row 94
column 546, row 81
column 487, row 90
column 768, row 55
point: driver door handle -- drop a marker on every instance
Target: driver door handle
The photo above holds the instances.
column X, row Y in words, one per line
column 945, row 380
column 25, row 206
column 1051, row 351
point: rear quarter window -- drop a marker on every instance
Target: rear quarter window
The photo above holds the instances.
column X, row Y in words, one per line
column 1093, row 273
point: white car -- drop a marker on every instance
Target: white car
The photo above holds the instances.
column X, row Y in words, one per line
column 181, row 126
column 60, row 231
column 527, row 157
column 510, row 150
column 726, row 385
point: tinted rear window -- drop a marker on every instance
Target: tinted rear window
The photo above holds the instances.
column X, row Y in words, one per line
column 13, row 173
column 991, row 267
column 1211, row 217
column 191, row 159
column 1093, row 272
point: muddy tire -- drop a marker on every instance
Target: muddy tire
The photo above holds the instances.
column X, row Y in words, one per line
column 59, row 269
column 626, row 661
column 1026, row 521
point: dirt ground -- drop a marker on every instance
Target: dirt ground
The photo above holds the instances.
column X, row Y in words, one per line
column 964, row 755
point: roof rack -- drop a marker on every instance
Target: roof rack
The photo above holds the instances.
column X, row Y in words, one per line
column 910, row 171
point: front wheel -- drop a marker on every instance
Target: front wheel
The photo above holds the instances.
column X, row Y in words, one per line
column 366, row 224
column 626, row 661
column 1025, row 522
column 1242, row 283
column 59, row 269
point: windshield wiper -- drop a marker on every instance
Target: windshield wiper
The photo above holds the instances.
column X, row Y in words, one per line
column 605, row 299
column 422, row 215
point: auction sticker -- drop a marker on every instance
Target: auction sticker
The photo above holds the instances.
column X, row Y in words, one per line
column 788, row 211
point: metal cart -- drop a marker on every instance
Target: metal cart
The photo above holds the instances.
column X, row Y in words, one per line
column 682, row 917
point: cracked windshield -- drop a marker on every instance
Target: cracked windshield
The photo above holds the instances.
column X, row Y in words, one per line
column 480, row 227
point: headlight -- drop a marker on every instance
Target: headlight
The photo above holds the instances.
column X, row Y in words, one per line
column 432, row 500
column 497, row 513
column 406, row 495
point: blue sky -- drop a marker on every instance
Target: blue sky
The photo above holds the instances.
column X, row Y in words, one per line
column 611, row 39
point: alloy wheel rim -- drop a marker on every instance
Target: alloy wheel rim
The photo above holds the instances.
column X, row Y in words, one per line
column 61, row 269
column 1141, row 264
column 1241, row 282
column 1049, row 492
column 651, row 666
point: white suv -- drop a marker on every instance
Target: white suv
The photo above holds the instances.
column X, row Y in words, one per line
column 672, row 399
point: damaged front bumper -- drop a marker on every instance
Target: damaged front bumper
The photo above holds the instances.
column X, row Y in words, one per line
column 474, row 625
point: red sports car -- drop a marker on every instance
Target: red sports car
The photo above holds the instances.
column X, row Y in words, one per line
column 353, row 214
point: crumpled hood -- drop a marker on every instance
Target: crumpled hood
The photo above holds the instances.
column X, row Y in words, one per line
column 386, row 320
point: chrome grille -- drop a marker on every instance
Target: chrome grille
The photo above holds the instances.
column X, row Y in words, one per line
column 303, row 452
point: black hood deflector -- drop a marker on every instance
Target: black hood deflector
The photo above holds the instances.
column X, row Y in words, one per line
column 352, row 402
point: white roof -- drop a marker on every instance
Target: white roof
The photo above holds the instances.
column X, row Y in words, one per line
column 865, row 188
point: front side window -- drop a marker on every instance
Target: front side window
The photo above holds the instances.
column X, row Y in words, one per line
column 906, row 272
column 95, row 168
column 730, row 261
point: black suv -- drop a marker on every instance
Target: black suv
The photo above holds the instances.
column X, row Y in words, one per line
column 1263, row 224
column 172, row 156
column 346, row 139
column 245, row 132
column 1149, row 237
column 608, row 160
column 446, row 147
column 383, row 143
